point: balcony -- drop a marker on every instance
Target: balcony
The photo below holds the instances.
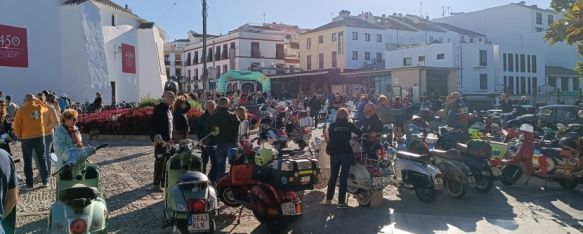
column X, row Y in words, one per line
column 178, row 63
column 166, row 62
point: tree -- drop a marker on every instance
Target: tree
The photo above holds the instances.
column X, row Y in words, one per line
column 570, row 28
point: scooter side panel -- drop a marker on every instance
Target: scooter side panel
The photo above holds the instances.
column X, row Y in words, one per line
column 176, row 202
column 95, row 215
column 424, row 168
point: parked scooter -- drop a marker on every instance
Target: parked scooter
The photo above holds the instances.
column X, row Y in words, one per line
column 190, row 202
column 562, row 165
column 79, row 208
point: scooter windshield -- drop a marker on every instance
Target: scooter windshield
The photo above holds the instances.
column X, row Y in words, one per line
column 75, row 155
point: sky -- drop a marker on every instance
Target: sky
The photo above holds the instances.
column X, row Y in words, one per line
column 176, row 17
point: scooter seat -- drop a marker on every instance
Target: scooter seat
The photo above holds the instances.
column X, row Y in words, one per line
column 412, row 156
column 286, row 151
column 450, row 154
column 77, row 192
column 463, row 148
column 551, row 152
column 193, row 177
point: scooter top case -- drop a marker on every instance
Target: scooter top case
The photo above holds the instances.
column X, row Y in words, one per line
column 295, row 174
column 78, row 210
column 191, row 186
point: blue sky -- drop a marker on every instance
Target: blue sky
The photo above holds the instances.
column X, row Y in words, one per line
column 176, row 17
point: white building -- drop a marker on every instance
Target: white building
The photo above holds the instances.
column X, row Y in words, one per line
column 80, row 47
column 269, row 48
column 519, row 30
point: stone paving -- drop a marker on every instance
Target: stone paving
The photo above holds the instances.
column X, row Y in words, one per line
column 127, row 174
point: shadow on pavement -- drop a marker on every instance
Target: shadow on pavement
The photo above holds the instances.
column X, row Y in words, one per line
column 125, row 158
column 38, row 226
column 120, row 200
column 146, row 219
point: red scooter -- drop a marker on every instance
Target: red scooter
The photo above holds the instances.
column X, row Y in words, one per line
column 563, row 165
column 270, row 205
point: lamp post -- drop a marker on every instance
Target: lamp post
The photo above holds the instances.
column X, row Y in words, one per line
column 204, row 49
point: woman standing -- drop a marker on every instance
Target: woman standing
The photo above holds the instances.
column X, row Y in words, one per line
column 244, row 125
column 67, row 135
column 180, row 118
column 341, row 155
column 5, row 128
column 399, row 117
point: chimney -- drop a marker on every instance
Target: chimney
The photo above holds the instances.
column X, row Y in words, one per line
column 522, row 3
column 126, row 7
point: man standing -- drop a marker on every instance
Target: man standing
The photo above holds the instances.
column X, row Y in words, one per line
column 161, row 126
column 51, row 121
column 228, row 125
column 29, row 127
column 97, row 103
column 8, row 193
column 457, row 115
column 372, row 127
column 11, row 108
column 505, row 104
column 315, row 105
column 208, row 151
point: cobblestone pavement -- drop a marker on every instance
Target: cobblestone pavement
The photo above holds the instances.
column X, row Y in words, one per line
column 127, row 174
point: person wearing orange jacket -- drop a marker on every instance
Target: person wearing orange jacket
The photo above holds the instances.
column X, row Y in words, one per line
column 29, row 127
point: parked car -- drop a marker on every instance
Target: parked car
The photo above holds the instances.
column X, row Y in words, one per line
column 552, row 115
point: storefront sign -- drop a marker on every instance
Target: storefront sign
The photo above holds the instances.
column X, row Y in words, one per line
column 128, row 59
column 13, row 47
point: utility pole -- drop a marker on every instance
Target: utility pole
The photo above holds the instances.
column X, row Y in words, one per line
column 204, row 49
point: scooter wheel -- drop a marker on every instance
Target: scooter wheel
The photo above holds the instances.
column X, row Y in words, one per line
column 456, row 189
column 426, row 194
column 510, row 175
column 483, row 184
column 276, row 225
column 228, row 198
column 323, row 178
column 370, row 198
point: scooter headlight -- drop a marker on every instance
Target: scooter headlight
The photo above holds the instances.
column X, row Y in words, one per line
column 287, row 166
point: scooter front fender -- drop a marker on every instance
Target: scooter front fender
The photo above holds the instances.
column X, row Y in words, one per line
column 62, row 215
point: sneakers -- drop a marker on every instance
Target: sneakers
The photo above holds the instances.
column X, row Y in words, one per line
column 328, row 202
column 342, row 206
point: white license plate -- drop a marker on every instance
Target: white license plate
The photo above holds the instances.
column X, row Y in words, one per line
column 471, row 180
column 198, row 223
column 305, row 179
column 496, row 171
column 377, row 181
column 288, row 208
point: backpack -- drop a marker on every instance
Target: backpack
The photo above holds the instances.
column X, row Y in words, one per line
column 480, row 148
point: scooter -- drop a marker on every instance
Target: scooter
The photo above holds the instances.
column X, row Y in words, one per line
column 243, row 186
column 298, row 128
column 190, row 202
column 563, row 165
column 79, row 208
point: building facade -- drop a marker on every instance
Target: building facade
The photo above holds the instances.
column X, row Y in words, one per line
column 80, row 47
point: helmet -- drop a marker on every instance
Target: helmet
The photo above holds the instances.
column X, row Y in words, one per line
column 232, row 154
column 264, row 156
column 568, row 143
column 475, row 133
column 419, row 122
column 427, row 115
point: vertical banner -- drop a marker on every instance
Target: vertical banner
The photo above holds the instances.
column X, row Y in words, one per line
column 128, row 59
column 13, row 47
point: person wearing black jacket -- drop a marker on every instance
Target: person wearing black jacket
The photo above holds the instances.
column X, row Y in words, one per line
column 372, row 128
column 315, row 105
column 161, row 126
column 228, row 124
column 208, row 151
column 341, row 155
column 181, row 125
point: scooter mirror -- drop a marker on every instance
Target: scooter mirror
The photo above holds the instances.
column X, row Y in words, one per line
column 54, row 157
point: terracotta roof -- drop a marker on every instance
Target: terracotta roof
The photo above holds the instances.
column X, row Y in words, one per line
column 146, row 25
column 346, row 22
column 560, row 70
column 459, row 30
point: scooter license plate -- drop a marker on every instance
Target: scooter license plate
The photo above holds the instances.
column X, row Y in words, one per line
column 377, row 181
column 496, row 171
column 198, row 222
column 306, row 179
column 438, row 183
column 288, row 208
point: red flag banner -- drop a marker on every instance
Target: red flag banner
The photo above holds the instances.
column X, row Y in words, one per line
column 128, row 59
column 13, row 47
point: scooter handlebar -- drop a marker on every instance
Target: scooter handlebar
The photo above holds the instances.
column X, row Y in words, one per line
column 101, row 147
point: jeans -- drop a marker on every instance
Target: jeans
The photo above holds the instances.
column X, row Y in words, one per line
column 38, row 146
column 207, row 153
column 338, row 161
column 159, row 163
column 218, row 165
column 48, row 147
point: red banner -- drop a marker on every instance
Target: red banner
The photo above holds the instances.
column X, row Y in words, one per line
column 128, row 58
column 13, row 47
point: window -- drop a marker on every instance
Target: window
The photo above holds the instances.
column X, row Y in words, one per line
column 321, row 61
column 196, row 74
column 539, row 29
column 534, row 86
column 483, row 81
column 188, row 60
column 379, row 37
column 113, row 20
column 333, row 36
column 218, row 71
column 341, row 42
column 533, row 64
column 354, row 55
column 255, row 53
column 529, row 86
column 551, row 20
column 440, row 56
column 379, row 57
column 528, row 66
column 225, row 51
column 178, row 72
column 510, row 62
column 523, row 85
column 504, row 61
column 407, row 61
column 279, row 51
column 232, row 45
column 522, row 63
column 195, row 59
column 334, row 61
column 225, row 68
column 516, row 68
column 576, row 86
column 321, row 39
column 539, row 18
column 510, row 89
column 354, row 35
column 309, row 62
column 564, row 84
column 367, row 37
column 421, row 58
column 552, row 81
column 209, row 54
column 483, row 58
column 308, row 43
column 218, row 53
